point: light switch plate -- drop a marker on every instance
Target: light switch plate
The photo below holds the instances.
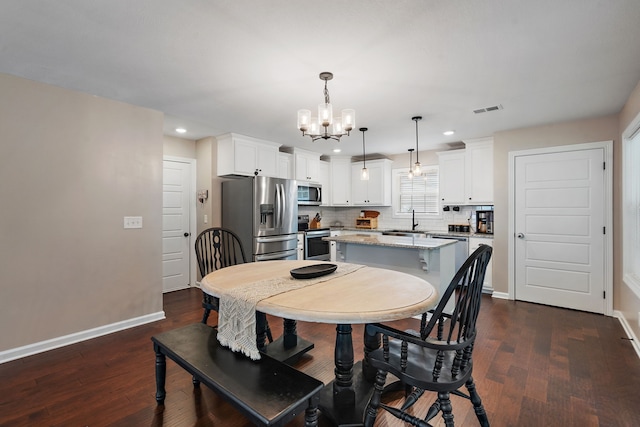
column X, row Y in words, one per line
column 132, row 222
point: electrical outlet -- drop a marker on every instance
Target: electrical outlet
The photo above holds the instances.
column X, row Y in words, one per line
column 132, row 222
column 206, row 218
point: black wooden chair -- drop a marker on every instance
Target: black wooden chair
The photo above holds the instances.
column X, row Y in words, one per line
column 439, row 359
column 218, row 248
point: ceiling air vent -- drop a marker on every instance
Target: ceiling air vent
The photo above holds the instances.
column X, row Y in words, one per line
column 487, row 109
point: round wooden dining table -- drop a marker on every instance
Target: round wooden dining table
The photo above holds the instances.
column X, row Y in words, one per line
column 365, row 295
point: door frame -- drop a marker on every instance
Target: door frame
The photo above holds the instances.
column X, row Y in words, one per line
column 607, row 146
column 193, row 230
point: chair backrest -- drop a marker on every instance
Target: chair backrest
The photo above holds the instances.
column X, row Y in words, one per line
column 217, row 248
column 459, row 327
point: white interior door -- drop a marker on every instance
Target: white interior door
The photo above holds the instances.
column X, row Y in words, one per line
column 559, row 229
column 176, row 241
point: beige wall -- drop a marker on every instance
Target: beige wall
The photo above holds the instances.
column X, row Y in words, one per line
column 178, row 147
column 72, row 166
column 626, row 300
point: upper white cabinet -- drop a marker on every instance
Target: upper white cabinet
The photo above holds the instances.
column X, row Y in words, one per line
column 243, row 155
column 325, row 181
column 479, row 171
column 285, row 165
column 452, row 177
column 306, row 164
column 376, row 191
column 340, row 181
column 466, row 176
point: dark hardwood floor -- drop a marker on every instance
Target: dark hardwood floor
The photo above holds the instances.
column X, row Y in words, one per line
column 534, row 366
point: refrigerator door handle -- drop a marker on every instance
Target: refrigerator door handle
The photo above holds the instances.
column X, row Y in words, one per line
column 280, row 238
column 277, row 255
column 279, row 210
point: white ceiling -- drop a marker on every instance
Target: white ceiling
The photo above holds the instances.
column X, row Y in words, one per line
column 247, row 66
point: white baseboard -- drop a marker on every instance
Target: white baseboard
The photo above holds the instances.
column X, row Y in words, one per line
column 627, row 329
column 42, row 346
column 500, row 295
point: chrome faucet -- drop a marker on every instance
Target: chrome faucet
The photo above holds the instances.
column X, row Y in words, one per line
column 414, row 224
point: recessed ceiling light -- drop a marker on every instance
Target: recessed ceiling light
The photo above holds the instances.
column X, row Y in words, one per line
column 336, row 150
column 448, row 132
column 181, row 130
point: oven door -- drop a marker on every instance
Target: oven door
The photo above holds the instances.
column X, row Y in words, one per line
column 315, row 248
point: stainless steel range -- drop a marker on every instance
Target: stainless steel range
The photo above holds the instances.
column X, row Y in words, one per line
column 314, row 247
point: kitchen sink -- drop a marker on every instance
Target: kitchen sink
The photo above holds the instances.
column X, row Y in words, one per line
column 407, row 233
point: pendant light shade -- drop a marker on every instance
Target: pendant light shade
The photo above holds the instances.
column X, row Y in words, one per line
column 364, row 174
column 410, row 163
column 417, row 168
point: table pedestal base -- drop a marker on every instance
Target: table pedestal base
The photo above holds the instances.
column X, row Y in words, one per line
column 347, row 415
column 291, row 355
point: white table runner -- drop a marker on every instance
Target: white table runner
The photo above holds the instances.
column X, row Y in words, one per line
column 237, row 311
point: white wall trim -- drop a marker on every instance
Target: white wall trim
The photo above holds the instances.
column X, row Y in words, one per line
column 193, row 221
column 607, row 146
column 42, row 346
column 500, row 295
column 629, row 331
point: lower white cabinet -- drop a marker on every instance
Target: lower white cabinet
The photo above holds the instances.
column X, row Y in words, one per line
column 300, row 248
column 474, row 243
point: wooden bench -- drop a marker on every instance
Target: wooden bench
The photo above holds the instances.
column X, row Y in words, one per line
column 267, row 391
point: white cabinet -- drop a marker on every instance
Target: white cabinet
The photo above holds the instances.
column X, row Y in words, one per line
column 333, row 247
column 376, row 191
column 325, row 181
column 466, row 176
column 243, row 155
column 300, row 247
column 474, row 243
column 340, row 181
column 479, row 171
column 452, row 177
column 285, row 165
column 306, row 164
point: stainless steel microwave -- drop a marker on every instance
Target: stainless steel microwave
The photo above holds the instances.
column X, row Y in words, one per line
column 309, row 194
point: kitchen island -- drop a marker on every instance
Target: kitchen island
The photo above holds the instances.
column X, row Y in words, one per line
column 428, row 258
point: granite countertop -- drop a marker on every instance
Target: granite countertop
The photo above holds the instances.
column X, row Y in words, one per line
column 410, row 242
column 432, row 233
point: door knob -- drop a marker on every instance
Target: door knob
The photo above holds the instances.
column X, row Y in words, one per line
column 187, row 234
column 520, row 236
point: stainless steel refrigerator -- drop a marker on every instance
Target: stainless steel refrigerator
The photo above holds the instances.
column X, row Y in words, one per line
column 263, row 212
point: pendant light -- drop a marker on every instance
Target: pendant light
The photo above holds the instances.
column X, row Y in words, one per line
column 417, row 170
column 364, row 174
column 410, row 176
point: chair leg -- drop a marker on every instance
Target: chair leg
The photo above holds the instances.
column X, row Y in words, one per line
column 447, row 410
column 267, row 329
column 412, row 398
column 205, row 316
column 311, row 416
column 477, row 403
column 372, row 408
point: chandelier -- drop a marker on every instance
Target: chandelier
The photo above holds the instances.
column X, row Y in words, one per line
column 325, row 126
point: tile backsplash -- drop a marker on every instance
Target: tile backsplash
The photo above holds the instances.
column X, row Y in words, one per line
column 347, row 217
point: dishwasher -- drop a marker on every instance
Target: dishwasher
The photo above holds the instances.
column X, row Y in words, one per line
column 462, row 248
